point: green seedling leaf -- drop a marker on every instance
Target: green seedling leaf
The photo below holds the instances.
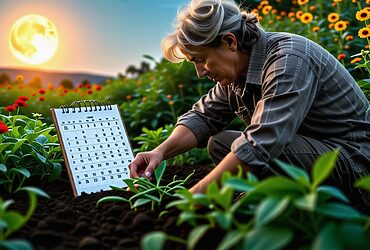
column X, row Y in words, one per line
column 35, row 190
column 153, row 241
column 269, row 209
column 41, row 139
column 16, row 245
column 186, row 216
column 271, row 238
column 141, row 201
column 332, row 192
column 130, row 184
column 3, row 168
column 327, row 239
column 339, row 211
column 55, row 173
column 18, row 144
column 4, row 145
column 111, row 199
column 14, row 221
column 296, row 173
column 323, row 167
column 116, row 188
column 159, row 171
column 38, row 156
column 20, row 170
column 353, row 236
column 307, row 202
column 196, row 234
column 238, row 185
column 224, row 220
column 3, row 225
column 363, row 183
column 278, row 185
column 231, row 239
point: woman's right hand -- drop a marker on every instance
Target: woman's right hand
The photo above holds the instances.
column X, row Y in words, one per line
column 145, row 163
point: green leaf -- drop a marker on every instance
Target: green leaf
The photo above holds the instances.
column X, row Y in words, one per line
column 35, row 190
column 223, row 219
column 14, row 220
column 55, row 173
column 339, row 211
column 307, row 202
column 327, row 239
column 2, row 168
column 16, row 245
column 323, row 167
column 278, row 185
column 38, row 156
column 141, row 201
column 41, row 139
column 153, row 241
column 196, row 234
column 231, row 239
column 21, row 170
column 18, row 144
column 296, row 173
column 4, row 145
column 3, row 225
column 262, row 238
column 332, row 192
column 269, row 209
column 159, row 171
column 363, row 183
column 353, row 236
column 111, row 199
column 116, row 188
column 130, row 184
column 238, row 185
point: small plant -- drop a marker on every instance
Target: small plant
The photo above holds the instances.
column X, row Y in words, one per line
column 147, row 192
column 27, row 148
column 277, row 212
column 11, row 221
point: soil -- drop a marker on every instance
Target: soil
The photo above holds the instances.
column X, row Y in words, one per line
column 65, row 222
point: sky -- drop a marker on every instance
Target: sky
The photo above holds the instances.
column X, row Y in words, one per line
column 95, row 36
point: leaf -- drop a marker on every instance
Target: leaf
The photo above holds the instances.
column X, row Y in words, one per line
column 238, row 185
column 230, row 240
column 327, row 239
column 196, row 234
column 278, row 185
column 38, row 156
column 18, row 144
column 339, row 211
column 111, row 199
column 262, row 238
column 158, row 172
column 332, row 192
column 14, row 220
column 4, row 145
column 153, row 241
column 353, row 236
column 269, row 209
column 21, row 171
column 130, row 184
column 41, row 139
column 2, row 168
column 363, row 183
column 307, row 202
column 296, row 173
column 14, row 244
column 323, row 167
column 55, row 173
column 141, row 201
column 35, row 190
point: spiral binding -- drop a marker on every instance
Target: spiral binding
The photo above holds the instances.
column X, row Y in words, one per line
column 86, row 106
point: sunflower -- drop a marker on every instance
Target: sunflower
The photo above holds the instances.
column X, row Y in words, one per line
column 362, row 15
column 356, row 60
column 333, row 17
column 349, row 38
column 315, row 29
column 266, row 9
column 298, row 14
column 302, row 2
column 340, row 25
column 364, row 32
column 337, row 1
column 306, row 18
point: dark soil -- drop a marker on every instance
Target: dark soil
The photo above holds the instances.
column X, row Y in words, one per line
column 65, row 222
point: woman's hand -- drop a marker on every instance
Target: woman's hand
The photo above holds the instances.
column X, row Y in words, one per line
column 145, row 163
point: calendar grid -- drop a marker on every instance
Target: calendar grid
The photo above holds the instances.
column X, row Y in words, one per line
column 95, row 146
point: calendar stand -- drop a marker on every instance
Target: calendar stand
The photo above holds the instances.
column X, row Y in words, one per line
column 95, row 145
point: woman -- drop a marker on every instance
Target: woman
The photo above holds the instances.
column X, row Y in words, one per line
column 296, row 100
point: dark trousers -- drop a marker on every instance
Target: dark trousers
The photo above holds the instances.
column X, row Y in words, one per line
column 301, row 152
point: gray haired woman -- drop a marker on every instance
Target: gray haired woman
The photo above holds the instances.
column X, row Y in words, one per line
column 296, row 100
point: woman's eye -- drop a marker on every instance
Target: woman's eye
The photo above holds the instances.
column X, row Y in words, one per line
column 198, row 60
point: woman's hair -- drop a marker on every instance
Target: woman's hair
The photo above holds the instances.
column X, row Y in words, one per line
column 203, row 22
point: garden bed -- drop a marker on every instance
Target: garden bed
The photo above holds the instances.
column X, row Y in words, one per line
column 65, row 222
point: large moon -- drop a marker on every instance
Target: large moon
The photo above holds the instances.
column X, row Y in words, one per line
column 33, row 39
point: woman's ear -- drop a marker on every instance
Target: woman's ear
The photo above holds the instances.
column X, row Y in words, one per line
column 229, row 41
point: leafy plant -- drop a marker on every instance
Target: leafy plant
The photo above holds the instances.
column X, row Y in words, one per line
column 147, row 192
column 11, row 221
column 27, row 148
column 274, row 213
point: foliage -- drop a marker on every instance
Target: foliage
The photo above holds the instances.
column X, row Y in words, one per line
column 275, row 213
column 27, row 148
column 146, row 192
column 150, row 139
column 11, row 221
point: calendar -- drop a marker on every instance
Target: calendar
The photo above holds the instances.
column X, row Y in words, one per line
column 95, row 145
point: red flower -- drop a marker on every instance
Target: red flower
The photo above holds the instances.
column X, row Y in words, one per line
column 3, row 128
column 98, row 88
column 42, row 91
column 65, row 91
column 41, row 98
column 10, row 108
column 20, row 103
column 89, row 91
column 88, row 86
column 23, row 98
column 341, row 56
column 80, row 85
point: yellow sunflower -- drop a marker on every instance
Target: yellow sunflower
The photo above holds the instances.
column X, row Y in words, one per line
column 337, row 1
column 364, row 32
column 266, row 9
column 315, row 29
column 340, row 25
column 306, row 18
column 333, row 17
column 362, row 15
column 302, row 2
column 298, row 14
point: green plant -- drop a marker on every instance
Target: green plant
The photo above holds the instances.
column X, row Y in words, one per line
column 275, row 213
column 147, row 192
column 27, row 148
column 11, row 221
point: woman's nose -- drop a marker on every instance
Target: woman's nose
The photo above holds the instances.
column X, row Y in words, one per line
column 201, row 71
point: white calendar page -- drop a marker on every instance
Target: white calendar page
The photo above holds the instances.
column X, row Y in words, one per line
column 95, row 146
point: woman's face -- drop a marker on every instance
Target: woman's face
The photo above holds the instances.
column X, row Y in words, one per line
column 223, row 64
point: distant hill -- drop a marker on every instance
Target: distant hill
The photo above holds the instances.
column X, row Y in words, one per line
column 54, row 77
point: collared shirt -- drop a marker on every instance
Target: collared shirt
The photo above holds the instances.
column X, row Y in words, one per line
column 293, row 86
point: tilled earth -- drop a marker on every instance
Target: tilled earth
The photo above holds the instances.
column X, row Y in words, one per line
column 65, row 222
